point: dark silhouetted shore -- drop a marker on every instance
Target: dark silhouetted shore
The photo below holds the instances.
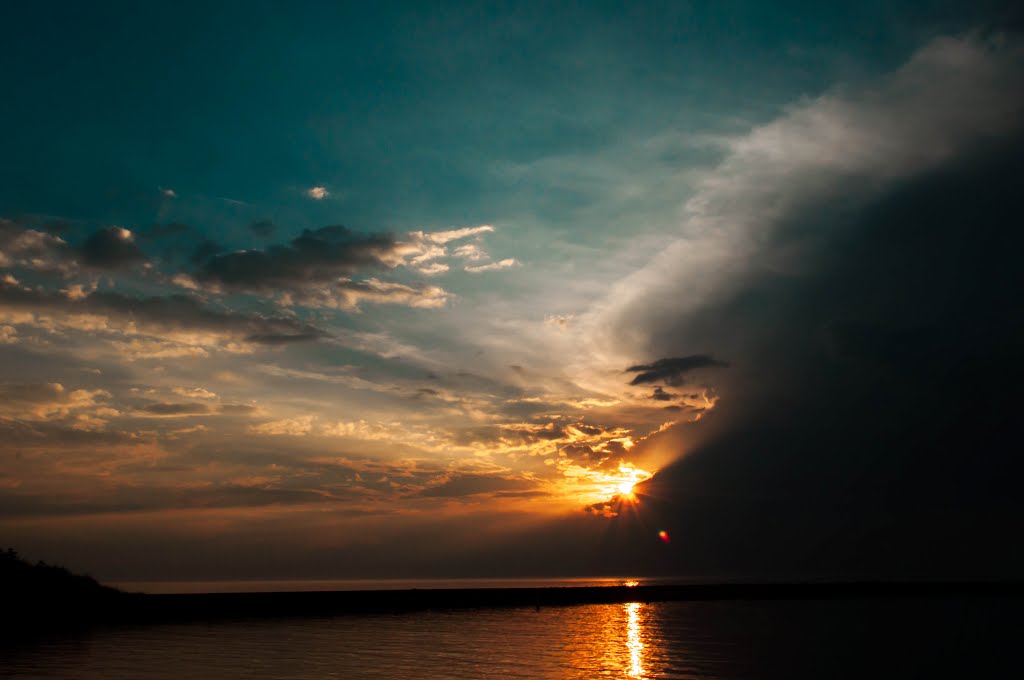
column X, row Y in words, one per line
column 40, row 596
column 213, row 606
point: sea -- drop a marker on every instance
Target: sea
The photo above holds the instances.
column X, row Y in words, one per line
column 813, row 639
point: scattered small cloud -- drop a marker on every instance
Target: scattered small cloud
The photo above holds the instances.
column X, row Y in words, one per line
column 194, row 393
column 318, row 193
column 469, row 251
column 295, row 427
column 433, row 268
column 171, row 409
column 501, row 264
column 453, row 234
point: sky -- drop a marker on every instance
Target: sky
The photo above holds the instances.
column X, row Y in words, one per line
column 424, row 289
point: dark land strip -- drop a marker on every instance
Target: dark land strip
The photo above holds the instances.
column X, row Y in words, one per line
column 44, row 611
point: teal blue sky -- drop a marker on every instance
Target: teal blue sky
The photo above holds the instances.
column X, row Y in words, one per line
column 414, row 115
column 287, row 270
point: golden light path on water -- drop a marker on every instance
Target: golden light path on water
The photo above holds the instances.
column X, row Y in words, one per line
column 633, row 640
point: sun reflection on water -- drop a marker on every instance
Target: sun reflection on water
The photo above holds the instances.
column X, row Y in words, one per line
column 633, row 641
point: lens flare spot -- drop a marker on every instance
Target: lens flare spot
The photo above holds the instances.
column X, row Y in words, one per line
column 663, row 535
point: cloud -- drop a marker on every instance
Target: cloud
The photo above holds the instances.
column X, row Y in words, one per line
column 329, row 267
column 442, row 237
column 48, row 434
column 671, row 370
column 237, row 409
column 314, row 270
column 559, row 321
column 492, row 266
column 21, row 247
column 43, row 401
column 433, row 268
column 421, row 249
column 175, row 318
column 194, row 392
column 660, row 394
column 110, row 248
column 857, row 261
column 315, row 256
column 79, row 410
column 318, row 193
column 173, row 409
column 469, row 251
column 348, row 295
column 824, row 158
column 460, row 485
column 295, row 427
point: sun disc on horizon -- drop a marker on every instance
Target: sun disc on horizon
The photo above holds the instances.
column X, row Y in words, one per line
column 626, row 488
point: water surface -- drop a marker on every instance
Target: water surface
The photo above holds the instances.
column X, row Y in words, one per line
column 711, row 640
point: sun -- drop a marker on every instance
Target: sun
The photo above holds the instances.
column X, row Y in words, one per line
column 619, row 487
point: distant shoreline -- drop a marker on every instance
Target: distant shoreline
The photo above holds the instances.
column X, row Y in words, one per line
column 119, row 608
column 220, row 606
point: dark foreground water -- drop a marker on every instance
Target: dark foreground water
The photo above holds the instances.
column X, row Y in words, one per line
column 980, row 638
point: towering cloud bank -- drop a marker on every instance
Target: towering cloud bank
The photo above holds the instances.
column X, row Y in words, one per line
column 855, row 263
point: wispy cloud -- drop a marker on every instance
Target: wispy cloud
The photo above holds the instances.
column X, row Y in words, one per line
column 507, row 263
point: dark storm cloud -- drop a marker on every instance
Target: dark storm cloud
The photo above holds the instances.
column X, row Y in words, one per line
column 110, row 248
column 671, row 370
column 874, row 427
column 315, row 256
column 165, row 313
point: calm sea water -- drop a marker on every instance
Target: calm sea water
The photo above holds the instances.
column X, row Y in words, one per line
column 724, row 640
